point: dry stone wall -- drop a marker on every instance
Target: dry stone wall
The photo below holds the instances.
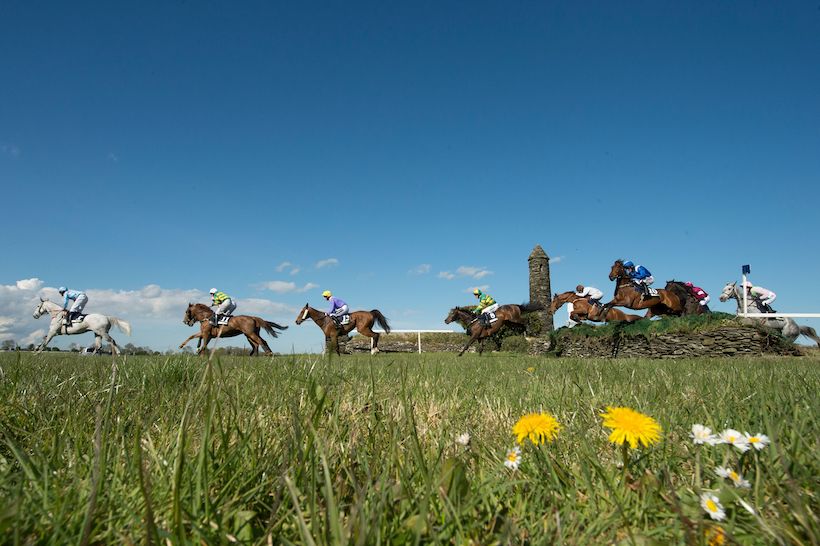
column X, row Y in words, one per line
column 720, row 342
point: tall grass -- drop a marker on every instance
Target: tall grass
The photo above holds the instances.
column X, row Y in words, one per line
column 362, row 450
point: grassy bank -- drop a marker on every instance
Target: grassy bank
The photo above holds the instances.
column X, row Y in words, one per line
column 364, row 450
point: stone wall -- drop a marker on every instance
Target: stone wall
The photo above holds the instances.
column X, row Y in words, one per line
column 720, row 342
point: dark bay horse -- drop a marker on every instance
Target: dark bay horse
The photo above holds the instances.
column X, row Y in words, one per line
column 582, row 310
column 512, row 314
column 361, row 321
column 238, row 324
column 628, row 295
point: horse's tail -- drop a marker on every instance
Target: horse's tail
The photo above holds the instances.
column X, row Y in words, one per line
column 529, row 307
column 121, row 324
column 381, row 320
column 271, row 327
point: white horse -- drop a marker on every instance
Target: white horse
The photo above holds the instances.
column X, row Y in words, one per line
column 784, row 325
column 99, row 324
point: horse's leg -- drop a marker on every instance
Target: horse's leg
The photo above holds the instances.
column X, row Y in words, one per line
column 367, row 331
column 256, row 341
column 115, row 349
column 473, row 337
column 97, row 343
column 809, row 332
column 184, row 343
column 48, row 337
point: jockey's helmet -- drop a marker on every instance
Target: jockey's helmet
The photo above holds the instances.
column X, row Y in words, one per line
column 61, row 289
column 212, row 291
column 688, row 283
column 579, row 288
column 326, row 294
column 477, row 292
column 629, row 264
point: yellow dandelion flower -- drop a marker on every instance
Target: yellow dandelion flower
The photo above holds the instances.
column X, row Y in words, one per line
column 715, row 536
column 631, row 427
column 538, row 427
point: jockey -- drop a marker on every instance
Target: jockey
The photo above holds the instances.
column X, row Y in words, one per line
column 338, row 307
column 592, row 294
column 79, row 298
column 486, row 304
column 223, row 302
column 761, row 295
column 640, row 276
column 699, row 293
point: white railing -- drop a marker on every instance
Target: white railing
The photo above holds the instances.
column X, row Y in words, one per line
column 419, row 332
column 747, row 314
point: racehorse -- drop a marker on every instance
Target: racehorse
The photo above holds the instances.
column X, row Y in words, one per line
column 511, row 313
column 361, row 321
column 784, row 325
column 691, row 305
column 582, row 310
column 238, row 324
column 99, row 324
column 628, row 295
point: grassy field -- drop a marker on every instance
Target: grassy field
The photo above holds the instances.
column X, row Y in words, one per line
column 364, row 450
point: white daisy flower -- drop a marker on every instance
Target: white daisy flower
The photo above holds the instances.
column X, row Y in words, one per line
column 736, row 478
column 513, row 459
column 731, row 436
column 463, row 439
column 758, row 441
column 702, row 435
column 711, row 504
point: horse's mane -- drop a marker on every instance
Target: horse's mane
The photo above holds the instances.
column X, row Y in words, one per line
column 200, row 306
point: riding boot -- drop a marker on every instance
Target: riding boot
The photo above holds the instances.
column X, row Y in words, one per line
column 215, row 319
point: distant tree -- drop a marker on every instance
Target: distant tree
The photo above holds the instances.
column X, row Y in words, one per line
column 74, row 348
column 30, row 347
column 8, row 345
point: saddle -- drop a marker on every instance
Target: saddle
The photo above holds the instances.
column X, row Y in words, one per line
column 342, row 321
column 223, row 320
column 487, row 319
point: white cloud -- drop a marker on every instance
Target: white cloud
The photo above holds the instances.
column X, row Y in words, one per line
column 294, row 269
column 10, row 149
column 29, row 284
column 466, row 271
column 283, row 287
column 483, row 288
column 474, row 272
column 325, row 263
column 556, row 260
column 420, row 269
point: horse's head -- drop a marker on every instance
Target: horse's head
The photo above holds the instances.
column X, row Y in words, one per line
column 41, row 309
column 304, row 314
column 617, row 270
column 189, row 318
column 452, row 315
column 729, row 291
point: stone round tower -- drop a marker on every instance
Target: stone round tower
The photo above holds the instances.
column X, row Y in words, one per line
column 540, row 291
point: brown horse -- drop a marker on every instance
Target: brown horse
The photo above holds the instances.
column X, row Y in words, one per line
column 239, row 324
column 628, row 295
column 512, row 314
column 361, row 321
column 582, row 310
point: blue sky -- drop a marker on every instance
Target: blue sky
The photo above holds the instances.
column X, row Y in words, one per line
column 153, row 150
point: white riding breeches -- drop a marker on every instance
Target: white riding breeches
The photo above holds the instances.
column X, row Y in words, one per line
column 704, row 301
column 647, row 281
column 490, row 309
column 341, row 311
column 226, row 307
column 769, row 300
column 79, row 304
